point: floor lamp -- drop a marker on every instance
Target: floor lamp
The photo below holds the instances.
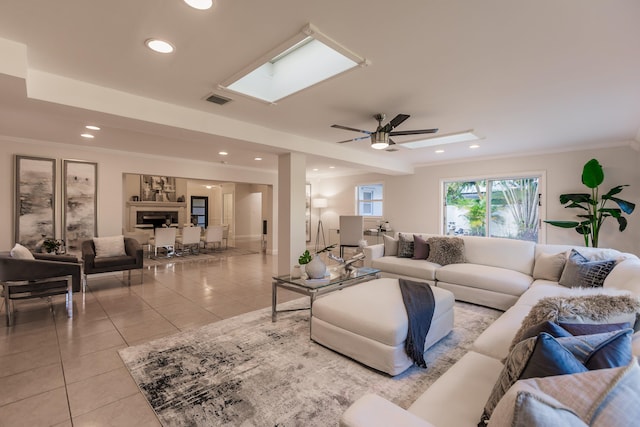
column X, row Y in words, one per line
column 319, row 203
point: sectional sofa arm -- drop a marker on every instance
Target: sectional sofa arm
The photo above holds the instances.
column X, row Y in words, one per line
column 372, row 252
column 374, row 411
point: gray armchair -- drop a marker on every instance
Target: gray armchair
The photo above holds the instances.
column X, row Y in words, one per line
column 44, row 276
column 133, row 260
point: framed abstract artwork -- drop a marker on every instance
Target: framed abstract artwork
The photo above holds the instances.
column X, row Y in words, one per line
column 307, row 211
column 157, row 188
column 35, row 213
column 80, row 189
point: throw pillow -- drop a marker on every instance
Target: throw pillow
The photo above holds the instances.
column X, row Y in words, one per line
column 109, row 246
column 571, row 329
column 390, row 245
column 552, row 401
column 446, row 250
column 549, row 266
column 580, row 272
column 20, row 252
column 598, row 308
column 420, row 247
column 544, row 356
column 405, row 246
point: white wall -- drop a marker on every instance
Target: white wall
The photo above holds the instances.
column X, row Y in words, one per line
column 111, row 167
column 412, row 202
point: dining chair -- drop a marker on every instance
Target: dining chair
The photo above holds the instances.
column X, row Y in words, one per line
column 189, row 242
column 351, row 230
column 165, row 238
column 213, row 235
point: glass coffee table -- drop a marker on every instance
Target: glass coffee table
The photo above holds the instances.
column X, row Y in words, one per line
column 314, row 288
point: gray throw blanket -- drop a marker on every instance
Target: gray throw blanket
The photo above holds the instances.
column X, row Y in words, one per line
column 420, row 304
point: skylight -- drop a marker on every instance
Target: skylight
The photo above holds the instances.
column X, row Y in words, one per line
column 303, row 61
column 442, row 139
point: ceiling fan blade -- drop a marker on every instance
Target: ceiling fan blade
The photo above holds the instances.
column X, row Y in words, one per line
column 353, row 129
column 413, row 132
column 354, row 139
column 397, row 120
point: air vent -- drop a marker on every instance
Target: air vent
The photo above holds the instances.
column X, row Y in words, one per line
column 217, row 99
column 391, row 150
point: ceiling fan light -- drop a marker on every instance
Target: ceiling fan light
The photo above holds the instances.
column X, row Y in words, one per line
column 379, row 140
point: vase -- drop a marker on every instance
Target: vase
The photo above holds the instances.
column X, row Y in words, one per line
column 316, row 268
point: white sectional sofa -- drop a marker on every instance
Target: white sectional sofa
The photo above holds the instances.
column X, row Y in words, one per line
column 496, row 268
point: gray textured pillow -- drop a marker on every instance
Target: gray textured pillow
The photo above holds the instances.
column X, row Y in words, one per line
column 580, row 272
column 405, row 246
column 549, row 266
column 390, row 245
column 552, row 401
column 446, row 250
column 597, row 308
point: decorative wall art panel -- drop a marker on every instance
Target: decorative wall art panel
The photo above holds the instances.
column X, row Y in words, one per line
column 80, row 189
column 35, row 181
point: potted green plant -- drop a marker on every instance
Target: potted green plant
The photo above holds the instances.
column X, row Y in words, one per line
column 594, row 206
column 51, row 245
column 316, row 268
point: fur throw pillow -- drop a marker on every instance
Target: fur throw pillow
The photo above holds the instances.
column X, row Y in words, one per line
column 597, row 308
column 446, row 250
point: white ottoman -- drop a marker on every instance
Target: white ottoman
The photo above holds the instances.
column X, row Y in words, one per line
column 368, row 322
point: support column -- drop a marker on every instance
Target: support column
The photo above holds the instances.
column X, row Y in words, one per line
column 291, row 210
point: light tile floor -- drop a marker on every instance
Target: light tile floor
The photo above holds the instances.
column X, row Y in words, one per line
column 56, row 371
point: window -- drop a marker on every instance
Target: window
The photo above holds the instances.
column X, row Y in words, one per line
column 508, row 208
column 369, row 200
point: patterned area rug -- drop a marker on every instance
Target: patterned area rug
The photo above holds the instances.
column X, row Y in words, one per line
column 249, row 371
column 201, row 257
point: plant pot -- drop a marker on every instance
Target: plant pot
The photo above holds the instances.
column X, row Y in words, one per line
column 316, row 269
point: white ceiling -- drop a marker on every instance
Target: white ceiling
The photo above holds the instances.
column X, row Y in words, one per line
column 528, row 77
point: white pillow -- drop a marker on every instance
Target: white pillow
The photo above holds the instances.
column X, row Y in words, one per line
column 109, row 246
column 20, row 252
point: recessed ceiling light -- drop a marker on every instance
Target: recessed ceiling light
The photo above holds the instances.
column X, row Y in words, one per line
column 332, row 167
column 315, row 169
column 305, row 60
column 474, row 146
column 86, row 135
column 451, row 138
column 223, row 153
column 159, row 46
column 200, row 4
column 92, row 127
column 439, row 151
column 209, row 187
column 258, row 158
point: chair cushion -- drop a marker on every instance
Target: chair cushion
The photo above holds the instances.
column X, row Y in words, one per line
column 115, row 261
column 112, row 246
column 20, row 252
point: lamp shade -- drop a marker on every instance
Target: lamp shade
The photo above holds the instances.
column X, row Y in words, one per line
column 319, row 203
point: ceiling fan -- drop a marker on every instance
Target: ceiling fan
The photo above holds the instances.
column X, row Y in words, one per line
column 380, row 138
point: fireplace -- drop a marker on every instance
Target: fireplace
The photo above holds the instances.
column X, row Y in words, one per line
column 149, row 215
column 155, row 219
